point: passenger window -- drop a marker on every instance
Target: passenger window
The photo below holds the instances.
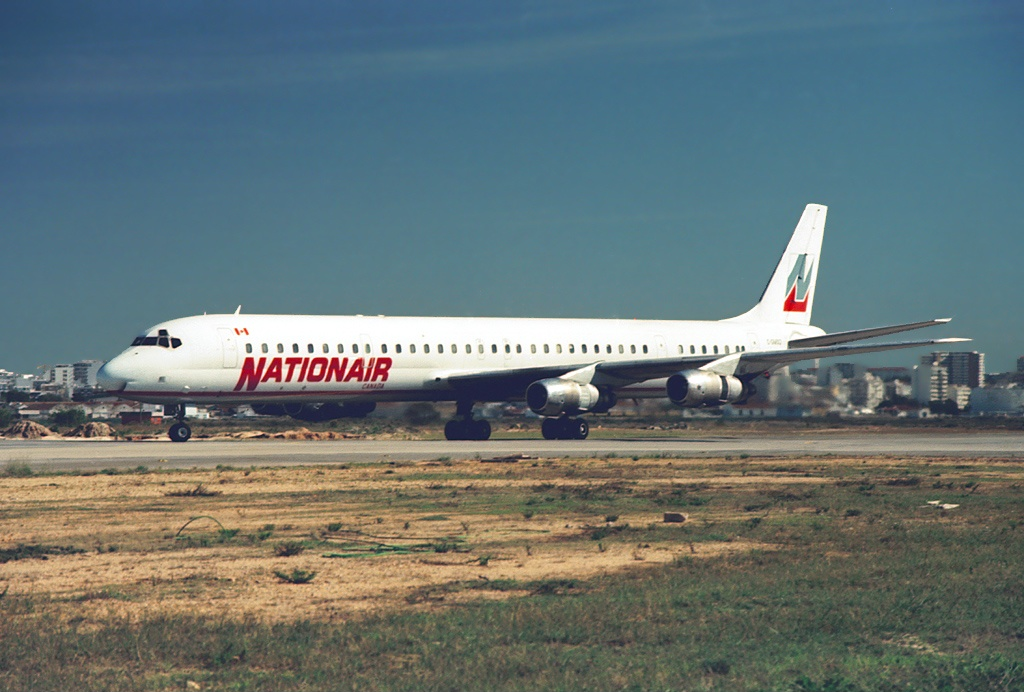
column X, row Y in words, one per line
column 597, row 348
column 248, row 348
column 583, row 348
column 383, row 348
column 519, row 348
column 398, row 348
column 632, row 348
column 621, row 349
column 645, row 348
column 704, row 350
column 533, row 348
column 558, row 348
column 680, row 348
column 295, row 348
column 280, row 348
column 508, row 348
column 608, row 348
column 572, row 348
column 366, row 348
column 716, row 349
column 412, row 348
column 341, row 349
column 355, row 348
column 727, row 350
column 309, row 348
column 693, row 349
column 265, row 348
column 546, row 349
column 326, row 348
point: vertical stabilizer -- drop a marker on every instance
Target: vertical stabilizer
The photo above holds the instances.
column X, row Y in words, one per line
column 789, row 296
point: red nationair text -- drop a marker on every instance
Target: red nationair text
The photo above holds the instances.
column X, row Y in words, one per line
column 259, row 370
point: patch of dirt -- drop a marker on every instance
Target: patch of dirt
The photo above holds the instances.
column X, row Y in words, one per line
column 438, row 526
column 93, row 430
column 29, row 430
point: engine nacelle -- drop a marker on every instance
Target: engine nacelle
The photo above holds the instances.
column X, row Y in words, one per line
column 315, row 413
column 557, row 397
column 694, row 388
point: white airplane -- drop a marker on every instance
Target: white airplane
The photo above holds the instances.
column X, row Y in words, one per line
column 325, row 367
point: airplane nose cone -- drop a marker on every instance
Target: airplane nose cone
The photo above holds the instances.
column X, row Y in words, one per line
column 111, row 378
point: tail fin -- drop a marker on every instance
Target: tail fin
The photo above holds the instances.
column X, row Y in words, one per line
column 789, row 295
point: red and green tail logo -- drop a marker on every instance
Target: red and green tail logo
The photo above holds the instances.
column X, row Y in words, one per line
column 799, row 286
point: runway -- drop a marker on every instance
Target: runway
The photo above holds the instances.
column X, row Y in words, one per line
column 80, row 455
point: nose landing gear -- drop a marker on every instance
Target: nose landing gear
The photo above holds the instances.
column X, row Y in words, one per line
column 179, row 432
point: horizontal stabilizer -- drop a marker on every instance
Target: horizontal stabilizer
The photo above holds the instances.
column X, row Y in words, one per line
column 860, row 334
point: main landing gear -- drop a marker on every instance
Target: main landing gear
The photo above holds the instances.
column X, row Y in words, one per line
column 564, row 428
column 179, row 432
column 464, row 426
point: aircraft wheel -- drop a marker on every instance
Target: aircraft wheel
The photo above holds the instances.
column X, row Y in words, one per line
column 479, row 430
column 550, row 428
column 179, row 432
column 579, row 429
column 454, row 430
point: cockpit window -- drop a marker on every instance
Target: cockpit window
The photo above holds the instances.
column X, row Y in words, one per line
column 162, row 339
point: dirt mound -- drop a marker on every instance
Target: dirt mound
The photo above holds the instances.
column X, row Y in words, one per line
column 307, row 434
column 244, row 435
column 299, row 434
column 28, row 430
column 92, row 430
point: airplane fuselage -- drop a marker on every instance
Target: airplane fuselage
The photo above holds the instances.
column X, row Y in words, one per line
column 239, row 359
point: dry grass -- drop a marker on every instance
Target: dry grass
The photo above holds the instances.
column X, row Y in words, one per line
column 808, row 574
column 164, row 548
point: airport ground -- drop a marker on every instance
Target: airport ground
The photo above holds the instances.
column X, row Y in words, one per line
column 441, row 566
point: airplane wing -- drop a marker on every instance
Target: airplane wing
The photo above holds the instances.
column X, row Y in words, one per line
column 748, row 363
column 766, row 361
column 512, row 383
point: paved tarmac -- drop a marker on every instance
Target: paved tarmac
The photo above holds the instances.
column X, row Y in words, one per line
column 68, row 455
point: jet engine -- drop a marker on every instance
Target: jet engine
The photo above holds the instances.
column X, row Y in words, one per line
column 694, row 388
column 557, row 397
column 315, row 413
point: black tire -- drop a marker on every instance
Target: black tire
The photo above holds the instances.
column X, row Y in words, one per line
column 179, row 432
column 480, row 430
column 580, row 429
column 551, row 428
column 454, row 430
column 566, row 428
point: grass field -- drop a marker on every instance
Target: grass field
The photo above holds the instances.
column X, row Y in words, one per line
column 810, row 574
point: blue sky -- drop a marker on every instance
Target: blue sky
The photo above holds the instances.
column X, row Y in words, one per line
column 550, row 158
